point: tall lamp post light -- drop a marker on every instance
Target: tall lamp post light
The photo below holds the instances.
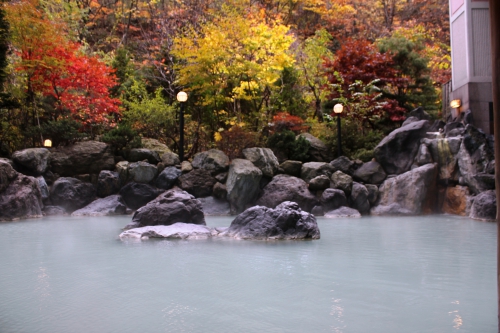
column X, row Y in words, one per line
column 182, row 98
column 337, row 109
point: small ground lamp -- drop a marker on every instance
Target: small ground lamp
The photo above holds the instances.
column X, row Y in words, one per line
column 47, row 143
column 337, row 109
column 455, row 105
column 182, row 98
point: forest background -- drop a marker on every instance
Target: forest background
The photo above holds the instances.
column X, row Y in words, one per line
column 257, row 72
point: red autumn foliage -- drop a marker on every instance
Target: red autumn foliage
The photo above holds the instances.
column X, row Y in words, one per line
column 285, row 121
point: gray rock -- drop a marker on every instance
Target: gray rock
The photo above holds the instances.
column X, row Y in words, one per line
column 21, row 197
column 136, row 195
column 155, row 145
column 291, row 168
column 342, row 181
column 343, row 164
column 215, row 207
column 286, row 221
column 420, row 114
column 319, row 183
column 484, row 207
column 33, row 161
column 177, row 230
column 168, row 177
column 407, row 193
column 423, row 156
column 168, row 208
column 86, row 157
column 397, row 151
column 220, row 191
column 7, row 175
column 445, row 152
column 170, row 159
column 243, row 184
column 343, row 212
column 262, row 158
column 318, row 211
column 71, row 193
column 141, row 154
column 332, row 199
column 142, row 172
column 372, row 193
column 221, row 177
column 359, row 198
column 186, row 166
column 370, row 172
column 122, row 169
column 198, row 182
column 318, row 150
column 108, row 183
column 112, row 205
column 213, row 160
column 44, row 189
column 410, row 120
column 54, row 211
column 314, row 169
column 484, row 181
column 287, row 188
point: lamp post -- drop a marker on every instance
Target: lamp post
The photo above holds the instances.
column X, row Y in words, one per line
column 337, row 109
column 182, row 98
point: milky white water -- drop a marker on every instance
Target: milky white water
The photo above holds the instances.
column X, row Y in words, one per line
column 401, row 275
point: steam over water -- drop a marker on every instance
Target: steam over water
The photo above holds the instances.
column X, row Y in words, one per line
column 376, row 274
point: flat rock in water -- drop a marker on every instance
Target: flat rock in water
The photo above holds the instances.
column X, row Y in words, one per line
column 342, row 212
column 177, row 230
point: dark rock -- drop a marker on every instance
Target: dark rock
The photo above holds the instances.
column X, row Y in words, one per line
column 220, row 191
column 437, row 126
column 397, row 151
column 453, row 126
column 108, row 183
column 177, row 230
column 318, row 211
column 168, row 208
column 168, row 177
column 342, row 181
column 319, row 183
column 370, row 172
column 142, row 172
column 141, row 154
column 467, row 117
column 33, row 161
column 332, row 199
column 407, row 193
column 311, row 170
column 287, row 188
column 343, row 164
column 291, row 168
column 420, row 114
column 112, row 205
column 50, row 177
column 484, row 207
column 221, row 177
column 359, row 198
column 286, row 221
column 342, row 212
column 372, row 193
column 213, row 160
column 87, row 157
column 410, row 120
column 444, row 152
column 198, row 182
column 71, row 193
column 423, row 156
column 54, row 211
column 21, row 198
column 137, row 195
column 215, row 207
column 484, row 181
column 44, row 189
column 243, row 184
column 318, row 151
column 264, row 159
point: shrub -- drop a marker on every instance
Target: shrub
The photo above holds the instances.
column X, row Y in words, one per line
column 122, row 137
column 233, row 141
column 295, row 148
column 62, row 132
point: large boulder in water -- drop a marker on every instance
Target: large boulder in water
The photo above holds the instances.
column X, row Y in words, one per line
column 397, row 151
column 87, row 157
column 485, row 206
column 286, row 221
column 71, row 193
column 243, row 184
column 287, row 188
column 168, row 208
column 20, row 196
column 33, row 161
column 408, row 193
column 112, row 205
